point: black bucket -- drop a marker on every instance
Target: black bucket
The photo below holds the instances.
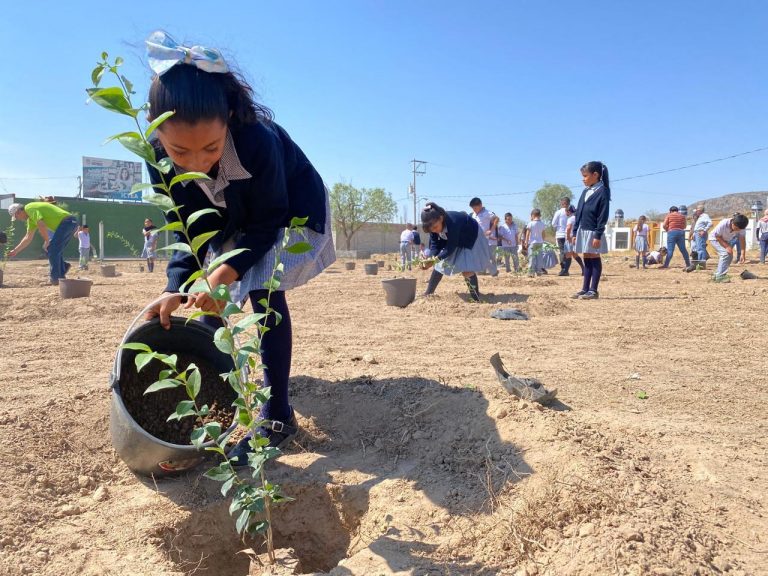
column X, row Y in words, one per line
column 142, row 452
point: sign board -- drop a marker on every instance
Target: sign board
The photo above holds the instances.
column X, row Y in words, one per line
column 110, row 179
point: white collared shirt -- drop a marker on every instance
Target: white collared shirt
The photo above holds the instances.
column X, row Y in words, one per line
column 230, row 168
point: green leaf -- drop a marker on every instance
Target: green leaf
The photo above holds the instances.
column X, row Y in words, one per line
column 188, row 176
column 224, row 257
column 174, row 226
column 128, row 84
column 138, row 187
column 97, row 73
column 242, row 521
column 223, row 340
column 198, row 437
column 194, row 276
column 193, row 382
column 162, row 385
column 249, row 320
column 165, row 374
column 119, row 61
column 221, row 292
column 168, row 360
column 642, row 395
column 157, row 121
column 160, row 200
column 136, row 346
column 244, row 418
column 219, row 473
column 213, row 429
column 134, row 142
column 271, row 284
column 259, row 527
column 112, row 99
column 195, row 215
column 298, row 222
column 180, row 246
column 142, row 360
column 164, row 165
column 231, row 308
column 299, row 248
column 227, row 485
column 199, row 241
column 183, row 409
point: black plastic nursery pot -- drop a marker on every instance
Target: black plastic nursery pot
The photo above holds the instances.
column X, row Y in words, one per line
column 148, row 453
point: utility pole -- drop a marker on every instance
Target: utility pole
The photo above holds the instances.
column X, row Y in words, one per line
column 419, row 167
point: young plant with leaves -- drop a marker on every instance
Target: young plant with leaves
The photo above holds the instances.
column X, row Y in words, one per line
column 240, row 339
column 125, row 242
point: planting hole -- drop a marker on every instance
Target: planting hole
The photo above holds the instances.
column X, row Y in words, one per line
column 319, row 525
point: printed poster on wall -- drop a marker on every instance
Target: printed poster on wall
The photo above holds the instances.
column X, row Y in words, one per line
column 110, row 179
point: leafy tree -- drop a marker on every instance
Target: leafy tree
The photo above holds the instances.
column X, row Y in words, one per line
column 352, row 207
column 655, row 215
column 547, row 199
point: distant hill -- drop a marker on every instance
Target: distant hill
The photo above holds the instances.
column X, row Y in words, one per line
column 730, row 203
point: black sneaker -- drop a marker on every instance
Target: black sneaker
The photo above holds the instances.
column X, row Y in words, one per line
column 579, row 294
column 563, row 273
column 591, row 295
column 280, row 434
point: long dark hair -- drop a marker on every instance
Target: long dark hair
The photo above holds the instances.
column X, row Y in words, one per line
column 602, row 169
column 430, row 215
column 198, row 95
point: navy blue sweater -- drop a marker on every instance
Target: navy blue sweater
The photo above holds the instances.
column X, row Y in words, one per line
column 592, row 214
column 284, row 185
column 461, row 230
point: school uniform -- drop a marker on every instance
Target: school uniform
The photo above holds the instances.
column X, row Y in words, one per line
column 762, row 236
column 591, row 218
column 539, row 258
column 507, row 236
column 559, row 223
column 406, row 239
column 461, row 246
column 263, row 180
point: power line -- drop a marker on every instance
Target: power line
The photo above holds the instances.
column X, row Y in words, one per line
column 687, row 166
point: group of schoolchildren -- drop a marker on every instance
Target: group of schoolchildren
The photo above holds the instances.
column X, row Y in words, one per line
column 470, row 245
column 727, row 237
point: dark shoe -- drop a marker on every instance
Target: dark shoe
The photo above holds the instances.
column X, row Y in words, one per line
column 67, row 266
column 280, row 434
column 563, row 273
column 690, row 268
column 591, row 295
column 662, row 267
column 579, row 294
column 544, row 271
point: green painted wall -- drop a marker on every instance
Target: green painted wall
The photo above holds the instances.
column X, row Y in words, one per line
column 126, row 219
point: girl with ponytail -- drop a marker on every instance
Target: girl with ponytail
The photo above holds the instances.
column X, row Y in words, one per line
column 259, row 180
column 460, row 246
column 589, row 227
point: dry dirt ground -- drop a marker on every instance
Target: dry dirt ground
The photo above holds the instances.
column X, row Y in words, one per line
column 413, row 459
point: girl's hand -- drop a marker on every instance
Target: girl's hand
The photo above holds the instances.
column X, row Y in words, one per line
column 204, row 302
column 595, row 243
column 164, row 310
column 12, row 253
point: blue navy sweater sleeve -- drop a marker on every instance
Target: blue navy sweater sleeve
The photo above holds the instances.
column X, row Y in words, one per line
column 601, row 212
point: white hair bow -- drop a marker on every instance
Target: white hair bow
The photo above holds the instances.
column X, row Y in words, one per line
column 164, row 52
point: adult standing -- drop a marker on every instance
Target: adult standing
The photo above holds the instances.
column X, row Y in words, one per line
column 406, row 241
column 698, row 235
column 675, row 225
column 56, row 226
column 560, row 223
column 762, row 235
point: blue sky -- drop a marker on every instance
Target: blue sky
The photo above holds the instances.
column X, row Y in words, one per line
column 497, row 97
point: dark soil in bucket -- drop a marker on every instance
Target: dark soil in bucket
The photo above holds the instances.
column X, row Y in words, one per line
column 152, row 410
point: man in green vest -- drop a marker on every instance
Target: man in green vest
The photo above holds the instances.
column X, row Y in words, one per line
column 57, row 228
